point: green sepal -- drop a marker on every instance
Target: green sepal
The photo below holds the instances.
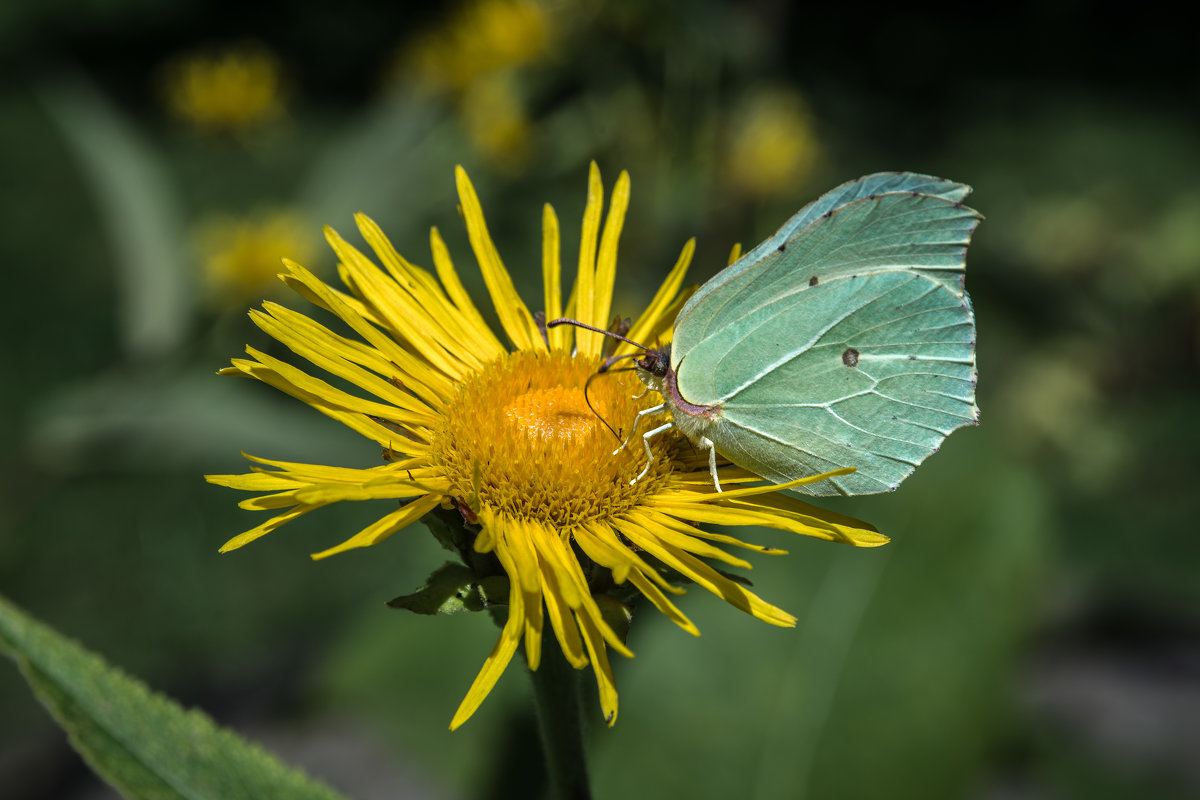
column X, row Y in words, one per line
column 451, row 530
column 452, row 589
column 616, row 613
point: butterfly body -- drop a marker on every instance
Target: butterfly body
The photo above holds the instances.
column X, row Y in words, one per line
column 844, row 340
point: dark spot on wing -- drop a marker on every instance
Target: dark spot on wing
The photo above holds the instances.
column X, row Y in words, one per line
column 850, row 357
column 782, row 247
column 870, row 197
column 813, row 281
column 912, row 358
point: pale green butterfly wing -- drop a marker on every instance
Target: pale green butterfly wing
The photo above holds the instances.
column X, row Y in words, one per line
column 871, row 365
column 871, row 372
column 878, row 183
column 921, row 233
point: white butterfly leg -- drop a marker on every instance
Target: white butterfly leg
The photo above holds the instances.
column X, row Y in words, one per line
column 658, row 409
column 649, row 453
column 712, row 460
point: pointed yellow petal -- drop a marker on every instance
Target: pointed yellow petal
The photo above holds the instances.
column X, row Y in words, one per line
column 561, row 620
column 353, row 419
column 501, row 654
column 560, row 337
column 408, row 317
column 606, row 263
column 243, row 539
column 324, row 352
column 384, row 343
column 464, row 340
column 705, row 576
column 486, row 341
column 514, row 316
column 603, row 670
column 586, row 342
column 679, row 536
column 660, row 601
column 381, row 529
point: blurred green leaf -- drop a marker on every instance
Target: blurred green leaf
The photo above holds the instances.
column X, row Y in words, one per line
column 138, row 208
column 143, row 744
column 374, row 167
column 191, row 418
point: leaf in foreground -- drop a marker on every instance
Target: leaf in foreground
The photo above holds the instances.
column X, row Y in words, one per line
column 142, row 743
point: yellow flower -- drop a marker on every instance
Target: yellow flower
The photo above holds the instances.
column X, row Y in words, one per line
column 503, row 430
column 482, row 37
column 240, row 255
column 772, row 145
column 228, row 91
column 496, row 122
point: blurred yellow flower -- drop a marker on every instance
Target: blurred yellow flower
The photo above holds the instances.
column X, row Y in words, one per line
column 505, row 433
column 481, row 37
column 772, row 146
column 240, row 256
column 496, row 122
column 226, row 91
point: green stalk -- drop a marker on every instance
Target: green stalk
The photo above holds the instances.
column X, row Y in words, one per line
column 560, row 723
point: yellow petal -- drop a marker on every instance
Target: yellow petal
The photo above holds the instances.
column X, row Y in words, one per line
column 514, row 316
column 243, row 539
column 584, row 292
column 381, row 529
column 606, row 263
column 486, row 341
column 560, row 336
column 707, row 577
column 501, row 654
column 603, row 670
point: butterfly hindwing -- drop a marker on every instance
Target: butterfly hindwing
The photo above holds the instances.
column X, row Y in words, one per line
column 878, row 387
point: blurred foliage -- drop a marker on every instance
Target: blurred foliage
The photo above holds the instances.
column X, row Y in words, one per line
column 1063, row 527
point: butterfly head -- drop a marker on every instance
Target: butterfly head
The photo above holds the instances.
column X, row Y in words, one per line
column 653, row 366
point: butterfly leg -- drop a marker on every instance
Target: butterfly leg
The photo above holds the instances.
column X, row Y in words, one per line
column 658, row 409
column 649, row 453
column 712, row 460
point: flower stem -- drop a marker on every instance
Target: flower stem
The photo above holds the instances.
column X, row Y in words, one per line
column 560, row 723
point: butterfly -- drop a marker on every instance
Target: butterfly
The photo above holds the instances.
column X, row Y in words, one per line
column 846, row 339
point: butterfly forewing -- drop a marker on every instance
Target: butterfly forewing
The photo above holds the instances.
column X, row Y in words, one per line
column 879, row 183
column 925, row 234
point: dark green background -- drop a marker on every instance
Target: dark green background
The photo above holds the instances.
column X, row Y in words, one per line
column 1031, row 631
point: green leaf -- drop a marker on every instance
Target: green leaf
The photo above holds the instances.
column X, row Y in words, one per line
column 142, row 743
column 138, row 207
column 453, row 588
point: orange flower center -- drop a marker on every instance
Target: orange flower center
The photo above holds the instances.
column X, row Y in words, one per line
column 555, row 414
column 520, row 437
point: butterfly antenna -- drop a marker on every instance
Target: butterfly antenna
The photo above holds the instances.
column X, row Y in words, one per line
column 588, row 399
column 554, row 323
